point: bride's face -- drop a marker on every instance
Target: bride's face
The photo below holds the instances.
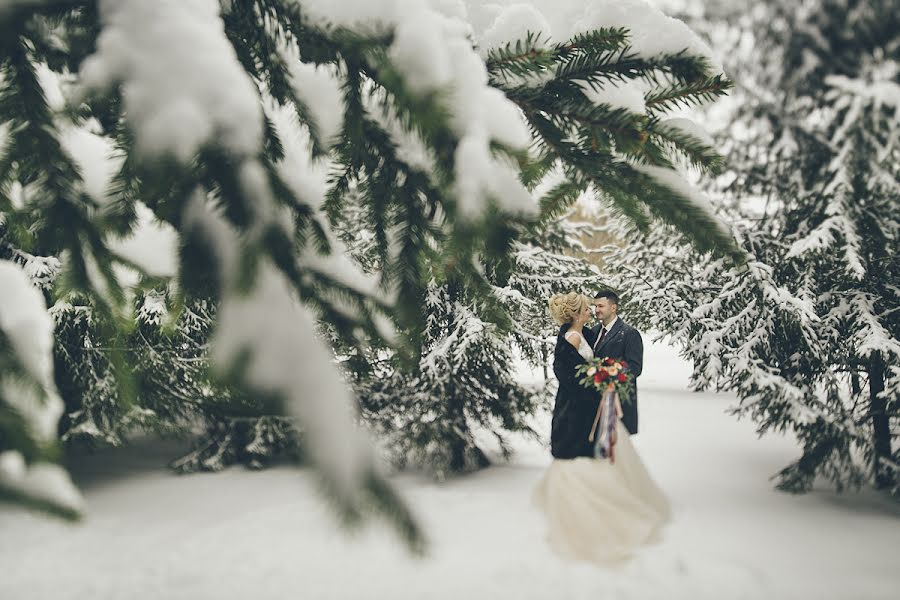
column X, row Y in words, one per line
column 584, row 315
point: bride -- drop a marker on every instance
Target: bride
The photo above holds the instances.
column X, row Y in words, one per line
column 598, row 510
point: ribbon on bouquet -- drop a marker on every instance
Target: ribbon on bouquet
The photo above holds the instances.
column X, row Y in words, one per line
column 605, row 424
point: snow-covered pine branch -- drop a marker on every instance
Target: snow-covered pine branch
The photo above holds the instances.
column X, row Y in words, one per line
column 585, row 94
column 198, row 139
column 30, row 406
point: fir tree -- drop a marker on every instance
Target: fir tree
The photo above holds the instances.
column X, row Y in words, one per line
column 552, row 259
column 840, row 59
column 808, row 335
column 442, row 408
column 461, row 385
column 195, row 106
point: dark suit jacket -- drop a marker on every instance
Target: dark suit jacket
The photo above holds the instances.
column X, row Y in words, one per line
column 623, row 342
column 575, row 405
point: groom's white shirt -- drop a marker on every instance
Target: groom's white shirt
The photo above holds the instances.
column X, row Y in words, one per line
column 608, row 328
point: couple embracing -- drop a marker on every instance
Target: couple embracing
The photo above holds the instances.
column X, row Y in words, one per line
column 599, row 510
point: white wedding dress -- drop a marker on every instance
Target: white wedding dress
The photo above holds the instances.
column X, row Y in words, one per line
column 600, row 511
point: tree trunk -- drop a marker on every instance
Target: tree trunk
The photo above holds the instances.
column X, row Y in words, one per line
column 880, row 422
column 456, row 402
column 456, row 413
column 544, row 358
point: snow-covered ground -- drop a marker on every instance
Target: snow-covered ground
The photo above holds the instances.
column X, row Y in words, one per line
column 150, row 534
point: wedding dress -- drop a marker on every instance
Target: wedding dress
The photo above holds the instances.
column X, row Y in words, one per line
column 601, row 511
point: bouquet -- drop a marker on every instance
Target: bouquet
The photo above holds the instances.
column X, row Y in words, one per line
column 604, row 374
column 611, row 378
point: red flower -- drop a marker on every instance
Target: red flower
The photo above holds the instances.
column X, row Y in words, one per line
column 623, row 378
column 597, row 377
column 624, row 364
column 603, row 375
column 608, row 361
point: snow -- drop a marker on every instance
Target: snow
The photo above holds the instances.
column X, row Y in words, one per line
column 95, row 157
column 52, row 87
column 28, row 327
column 152, row 246
column 41, row 270
column 207, row 221
column 408, row 145
column 652, row 32
column 240, row 533
column 182, row 83
column 153, row 308
column 422, row 56
column 4, row 132
column 433, row 52
column 287, row 359
column 339, row 267
column 880, row 92
column 319, row 88
column 872, row 336
column 624, row 94
column 823, row 235
column 480, row 174
column 275, row 335
column 512, row 24
column 362, row 15
column 256, row 188
column 308, row 179
column 691, row 128
column 40, row 481
column 674, row 181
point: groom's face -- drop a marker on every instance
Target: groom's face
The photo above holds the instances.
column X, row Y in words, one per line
column 604, row 309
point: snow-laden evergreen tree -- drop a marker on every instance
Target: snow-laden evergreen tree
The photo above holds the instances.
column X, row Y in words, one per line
column 462, row 392
column 221, row 119
column 30, row 405
column 553, row 258
column 596, row 105
column 448, row 406
column 808, row 334
column 461, row 386
column 833, row 128
column 170, row 362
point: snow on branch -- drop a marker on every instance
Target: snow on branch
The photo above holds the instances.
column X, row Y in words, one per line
column 286, row 359
column 431, row 49
column 652, row 32
column 152, row 246
column 267, row 340
column 319, row 88
column 883, row 92
column 29, row 392
column 674, row 181
column 181, row 81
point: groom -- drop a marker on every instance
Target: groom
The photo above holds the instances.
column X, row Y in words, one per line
column 614, row 338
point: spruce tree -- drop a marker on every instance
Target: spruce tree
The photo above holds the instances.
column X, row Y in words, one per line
column 552, row 258
column 807, row 335
column 461, row 385
column 447, row 406
column 841, row 218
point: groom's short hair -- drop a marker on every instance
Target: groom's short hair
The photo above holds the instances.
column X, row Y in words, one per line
column 613, row 297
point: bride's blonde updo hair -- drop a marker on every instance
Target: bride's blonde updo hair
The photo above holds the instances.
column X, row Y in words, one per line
column 565, row 307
